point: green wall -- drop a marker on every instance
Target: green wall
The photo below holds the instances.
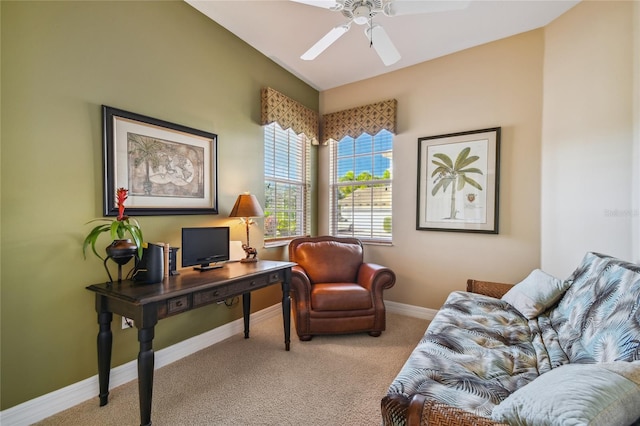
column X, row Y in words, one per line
column 60, row 62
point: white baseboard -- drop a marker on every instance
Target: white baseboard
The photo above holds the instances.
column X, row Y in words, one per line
column 47, row 405
column 410, row 310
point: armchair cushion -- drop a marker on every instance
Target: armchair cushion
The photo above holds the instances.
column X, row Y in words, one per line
column 329, row 261
column 340, row 297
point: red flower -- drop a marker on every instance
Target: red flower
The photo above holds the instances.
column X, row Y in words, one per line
column 121, row 193
column 117, row 229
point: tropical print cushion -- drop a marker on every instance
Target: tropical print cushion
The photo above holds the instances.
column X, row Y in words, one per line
column 598, row 319
column 536, row 293
column 476, row 351
column 576, row 395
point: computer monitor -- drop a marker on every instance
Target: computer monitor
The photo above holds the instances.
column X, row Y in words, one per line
column 207, row 247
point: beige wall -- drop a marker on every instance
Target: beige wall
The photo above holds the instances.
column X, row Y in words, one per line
column 60, row 62
column 635, row 187
column 497, row 84
column 588, row 157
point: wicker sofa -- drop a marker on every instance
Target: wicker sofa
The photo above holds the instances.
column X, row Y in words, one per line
column 543, row 352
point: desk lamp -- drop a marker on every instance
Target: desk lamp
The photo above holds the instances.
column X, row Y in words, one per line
column 246, row 207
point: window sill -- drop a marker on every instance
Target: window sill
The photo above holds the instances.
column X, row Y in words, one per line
column 273, row 244
column 282, row 243
column 377, row 243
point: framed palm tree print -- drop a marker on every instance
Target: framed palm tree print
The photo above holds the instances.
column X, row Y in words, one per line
column 169, row 169
column 458, row 181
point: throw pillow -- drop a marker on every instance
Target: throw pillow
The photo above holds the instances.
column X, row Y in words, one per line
column 572, row 395
column 536, row 293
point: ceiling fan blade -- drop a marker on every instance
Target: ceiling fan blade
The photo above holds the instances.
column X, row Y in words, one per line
column 325, row 42
column 325, row 4
column 410, row 7
column 383, row 45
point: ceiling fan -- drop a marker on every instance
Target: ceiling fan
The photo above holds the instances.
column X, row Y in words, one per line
column 362, row 12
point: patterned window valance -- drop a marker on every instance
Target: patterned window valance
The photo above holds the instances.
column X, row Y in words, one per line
column 356, row 121
column 288, row 113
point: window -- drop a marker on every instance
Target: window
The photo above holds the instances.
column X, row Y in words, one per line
column 361, row 187
column 286, row 184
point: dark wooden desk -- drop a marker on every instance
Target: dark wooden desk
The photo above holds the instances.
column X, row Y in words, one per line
column 148, row 303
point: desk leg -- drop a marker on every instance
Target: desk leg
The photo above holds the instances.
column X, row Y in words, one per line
column 286, row 308
column 145, row 373
column 246, row 312
column 105, row 342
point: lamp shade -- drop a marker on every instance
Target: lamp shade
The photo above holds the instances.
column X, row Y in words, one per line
column 247, row 205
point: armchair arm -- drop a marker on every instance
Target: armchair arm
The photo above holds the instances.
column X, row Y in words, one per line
column 375, row 277
column 300, row 284
column 301, row 297
column 488, row 288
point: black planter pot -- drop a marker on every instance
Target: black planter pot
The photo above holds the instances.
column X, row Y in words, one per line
column 121, row 252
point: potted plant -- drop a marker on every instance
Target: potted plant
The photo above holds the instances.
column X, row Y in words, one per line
column 118, row 230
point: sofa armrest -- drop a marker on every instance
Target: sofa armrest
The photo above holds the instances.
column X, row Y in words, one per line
column 488, row 288
column 398, row 410
column 394, row 410
column 423, row 412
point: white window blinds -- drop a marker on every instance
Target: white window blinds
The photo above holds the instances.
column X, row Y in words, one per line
column 361, row 187
column 287, row 184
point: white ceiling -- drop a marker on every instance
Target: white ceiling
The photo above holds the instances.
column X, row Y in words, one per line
column 283, row 30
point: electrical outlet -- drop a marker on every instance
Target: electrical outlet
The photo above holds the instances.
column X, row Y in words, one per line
column 127, row 323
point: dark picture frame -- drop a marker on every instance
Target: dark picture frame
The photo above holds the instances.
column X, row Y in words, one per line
column 169, row 169
column 459, row 181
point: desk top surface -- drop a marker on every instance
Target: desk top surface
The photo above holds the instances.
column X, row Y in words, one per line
column 187, row 281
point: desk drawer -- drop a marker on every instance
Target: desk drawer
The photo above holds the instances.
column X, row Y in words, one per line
column 248, row 285
column 178, row 304
column 209, row 296
column 275, row 277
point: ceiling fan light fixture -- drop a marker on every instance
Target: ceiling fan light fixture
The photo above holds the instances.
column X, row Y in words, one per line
column 362, row 14
column 361, row 20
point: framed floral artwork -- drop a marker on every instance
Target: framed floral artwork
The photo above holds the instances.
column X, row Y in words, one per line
column 458, row 181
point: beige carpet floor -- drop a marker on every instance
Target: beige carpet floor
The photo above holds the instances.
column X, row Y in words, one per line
column 331, row 380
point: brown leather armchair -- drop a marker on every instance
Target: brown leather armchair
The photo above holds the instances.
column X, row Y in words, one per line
column 333, row 290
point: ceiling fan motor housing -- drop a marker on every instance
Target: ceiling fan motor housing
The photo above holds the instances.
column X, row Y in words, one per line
column 360, row 11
